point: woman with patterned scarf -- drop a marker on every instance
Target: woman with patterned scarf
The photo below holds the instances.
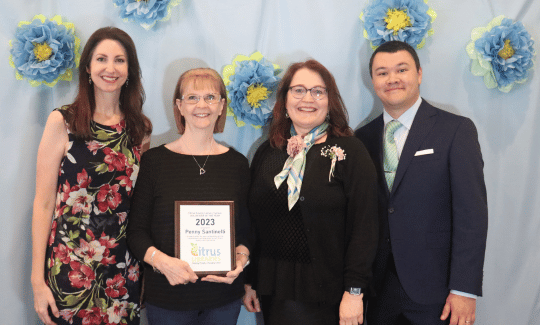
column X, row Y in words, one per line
column 313, row 205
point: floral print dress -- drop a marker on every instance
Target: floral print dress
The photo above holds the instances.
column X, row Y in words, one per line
column 91, row 273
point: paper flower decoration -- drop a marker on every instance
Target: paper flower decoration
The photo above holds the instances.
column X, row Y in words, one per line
column 251, row 82
column 502, row 52
column 398, row 20
column 44, row 51
column 146, row 12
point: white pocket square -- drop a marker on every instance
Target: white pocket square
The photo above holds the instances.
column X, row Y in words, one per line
column 424, row 152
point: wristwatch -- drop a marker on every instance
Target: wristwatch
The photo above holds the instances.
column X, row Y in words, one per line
column 354, row 291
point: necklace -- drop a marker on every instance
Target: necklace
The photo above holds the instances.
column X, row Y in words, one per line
column 202, row 171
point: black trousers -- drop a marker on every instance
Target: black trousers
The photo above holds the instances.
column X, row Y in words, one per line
column 290, row 312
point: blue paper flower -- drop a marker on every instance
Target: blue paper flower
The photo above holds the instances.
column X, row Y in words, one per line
column 250, row 82
column 44, row 51
column 502, row 53
column 398, row 20
column 146, row 12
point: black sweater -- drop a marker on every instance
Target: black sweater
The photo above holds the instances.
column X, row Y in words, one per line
column 165, row 177
column 338, row 217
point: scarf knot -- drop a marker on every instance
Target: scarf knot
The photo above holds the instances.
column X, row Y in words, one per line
column 295, row 165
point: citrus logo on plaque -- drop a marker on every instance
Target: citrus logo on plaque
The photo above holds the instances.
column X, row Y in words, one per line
column 202, row 254
column 194, row 249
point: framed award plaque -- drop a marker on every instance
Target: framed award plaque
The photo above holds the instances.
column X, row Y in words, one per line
column 204, row 236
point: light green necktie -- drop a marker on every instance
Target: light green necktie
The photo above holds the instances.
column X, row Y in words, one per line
column 391, row 158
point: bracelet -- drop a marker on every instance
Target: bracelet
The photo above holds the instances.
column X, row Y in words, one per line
column 246, row 255
column 152, row 261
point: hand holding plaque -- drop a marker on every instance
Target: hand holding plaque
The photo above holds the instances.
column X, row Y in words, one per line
column 204, row 236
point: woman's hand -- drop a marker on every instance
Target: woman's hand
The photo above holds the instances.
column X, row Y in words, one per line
column 229, row 277
column 43, row 298
column 242, row 260
column 175, row 270
column 52, row 148
column 351, row 310
column 251, row 301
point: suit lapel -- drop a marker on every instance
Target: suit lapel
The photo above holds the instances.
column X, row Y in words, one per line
column 422, row 124
column 375, row 142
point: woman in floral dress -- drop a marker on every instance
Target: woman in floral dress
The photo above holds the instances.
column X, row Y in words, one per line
column 88, row 162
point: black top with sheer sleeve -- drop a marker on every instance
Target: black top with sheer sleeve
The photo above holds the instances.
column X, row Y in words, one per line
column 166, row 177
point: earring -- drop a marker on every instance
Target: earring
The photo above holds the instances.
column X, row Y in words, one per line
column 89, row 79
column 127, row 81
column 286, row 115
column 327, row 117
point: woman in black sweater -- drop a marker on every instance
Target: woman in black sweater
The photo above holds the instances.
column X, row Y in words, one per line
column 193, row 168
column 313, row 204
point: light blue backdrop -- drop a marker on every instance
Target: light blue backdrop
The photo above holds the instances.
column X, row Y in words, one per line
column 211, row 33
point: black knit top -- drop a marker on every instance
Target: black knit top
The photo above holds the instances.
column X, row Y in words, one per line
column 165, row 177
column 328, row 240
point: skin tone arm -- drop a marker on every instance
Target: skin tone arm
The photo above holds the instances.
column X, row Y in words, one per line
column 242, row 257
column 251, row 301
column 50, row 153
column 351, row 309
column 175, row 270
column 178, row 271
column 462, row 310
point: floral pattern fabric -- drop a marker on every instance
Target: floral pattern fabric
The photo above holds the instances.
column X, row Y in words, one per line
column 92, row 274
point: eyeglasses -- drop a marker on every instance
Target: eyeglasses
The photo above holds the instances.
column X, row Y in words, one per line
column 300, row 92
column 210, row 99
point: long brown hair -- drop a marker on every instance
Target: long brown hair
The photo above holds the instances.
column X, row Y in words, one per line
column 281, row 125
column 200, row 77
column 131, row 96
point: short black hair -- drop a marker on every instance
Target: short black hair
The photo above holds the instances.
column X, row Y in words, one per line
column 393, row 47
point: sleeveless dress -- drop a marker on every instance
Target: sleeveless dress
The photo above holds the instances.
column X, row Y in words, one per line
column 89, row 269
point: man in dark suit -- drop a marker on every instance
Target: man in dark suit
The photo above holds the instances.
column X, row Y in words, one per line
column 432, row 196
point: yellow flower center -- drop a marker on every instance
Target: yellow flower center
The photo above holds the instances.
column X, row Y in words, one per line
column 507, row 51
column 42, row 51
column 396, row 20
column 256, row 93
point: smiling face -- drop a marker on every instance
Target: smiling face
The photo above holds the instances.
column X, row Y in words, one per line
column 396, row 81
column 200, row 115
column 306, row 113
column 108, row 67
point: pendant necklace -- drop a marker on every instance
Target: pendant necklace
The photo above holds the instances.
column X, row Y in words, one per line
column 202, row 171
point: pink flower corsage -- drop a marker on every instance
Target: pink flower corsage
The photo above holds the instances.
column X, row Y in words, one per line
column 295, row 145
column 336, row 154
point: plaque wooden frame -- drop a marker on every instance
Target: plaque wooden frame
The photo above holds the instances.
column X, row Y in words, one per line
column 178, row 235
